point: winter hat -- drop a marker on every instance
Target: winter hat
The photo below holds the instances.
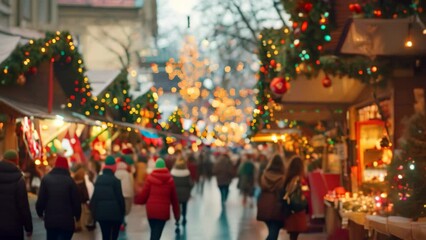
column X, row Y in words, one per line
column 128, row 160
column 160, row 163
column 110, row 163
column 61, row 162
column 127, row 151
column 11, row 155
column 180, row 164
column 109, row 160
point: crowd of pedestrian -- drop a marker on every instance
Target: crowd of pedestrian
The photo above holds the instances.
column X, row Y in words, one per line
column 75, row 198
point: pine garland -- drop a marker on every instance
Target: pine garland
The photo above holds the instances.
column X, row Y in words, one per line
column 56, row 47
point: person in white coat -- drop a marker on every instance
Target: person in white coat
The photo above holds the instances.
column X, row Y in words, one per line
column 123, row 174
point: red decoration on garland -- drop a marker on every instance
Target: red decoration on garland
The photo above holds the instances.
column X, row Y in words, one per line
column 304, row 26
column 68, row 59
column 33, row 70
column 307, row 7
column 273, row 63
column 279, row 85
column 326, row 82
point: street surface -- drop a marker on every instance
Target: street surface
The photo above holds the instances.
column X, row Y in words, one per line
column 206, row 221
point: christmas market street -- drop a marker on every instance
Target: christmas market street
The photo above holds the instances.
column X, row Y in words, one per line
column 219, row 119
column 206, row 220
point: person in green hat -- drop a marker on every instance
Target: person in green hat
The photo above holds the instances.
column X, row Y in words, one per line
column 158, row 193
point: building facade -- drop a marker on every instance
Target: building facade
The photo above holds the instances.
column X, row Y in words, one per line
column 28, row 18
column 111, row 34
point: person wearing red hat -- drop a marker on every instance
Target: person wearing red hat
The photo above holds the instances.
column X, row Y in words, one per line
column 15, row 211
column 58, row 202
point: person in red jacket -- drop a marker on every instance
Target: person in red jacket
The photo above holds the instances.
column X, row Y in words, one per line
column 158, row 193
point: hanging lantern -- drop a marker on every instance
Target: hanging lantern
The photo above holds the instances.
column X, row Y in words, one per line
column 279, row 85
column 326, row 82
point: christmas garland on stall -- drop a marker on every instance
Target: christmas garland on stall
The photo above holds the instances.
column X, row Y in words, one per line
column 58, row 48
column 117, row 97
column 174, row 122
column 149, row 114
column 299, row 50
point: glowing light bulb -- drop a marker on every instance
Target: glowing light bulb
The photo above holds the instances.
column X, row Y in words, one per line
column 409, row 43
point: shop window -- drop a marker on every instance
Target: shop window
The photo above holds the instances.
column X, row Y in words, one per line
column 24, row 13
column 374, row 152
column 45, row 11
column 5, row 3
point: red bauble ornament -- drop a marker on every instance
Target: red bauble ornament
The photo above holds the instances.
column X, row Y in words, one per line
column 279, row 85
column 68, row 59
column 21, row 79
column 307, row 7
column 273, row 63
column 326, row 82
column 355, row 8
column 33, row 70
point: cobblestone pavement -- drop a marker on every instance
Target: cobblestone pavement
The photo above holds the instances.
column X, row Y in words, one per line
column 206, row 221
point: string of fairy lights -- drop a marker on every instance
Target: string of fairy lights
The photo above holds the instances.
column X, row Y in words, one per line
column 300, row 50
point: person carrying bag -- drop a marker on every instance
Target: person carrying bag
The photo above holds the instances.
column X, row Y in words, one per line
column 294, row 203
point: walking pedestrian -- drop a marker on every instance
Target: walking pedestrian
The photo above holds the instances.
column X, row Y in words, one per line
column 158, row 193
column 295, row 221
column 58, row 202
column 107, row 203
column 224, row 171
column 15, row 211
column 183, row 183
column 141, row 168
column 79, row 177
column 193, row 168
column 269, row 203
column 246, row 179
column 123, row 174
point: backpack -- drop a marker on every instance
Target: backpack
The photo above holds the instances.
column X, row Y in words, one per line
column 294, row 201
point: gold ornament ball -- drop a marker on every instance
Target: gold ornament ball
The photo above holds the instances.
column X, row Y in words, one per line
column 21, row 79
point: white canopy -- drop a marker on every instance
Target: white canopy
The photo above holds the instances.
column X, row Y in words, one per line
column 8, row 43
column 386, row 37
column 101, row 79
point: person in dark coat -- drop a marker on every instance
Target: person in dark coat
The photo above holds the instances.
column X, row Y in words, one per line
column 15, row 214
column 246, row 179
column 58, row 202
column 183, row 183
column 158, row 193
column 107, row 203
column 224, row 172
column 269, row 203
